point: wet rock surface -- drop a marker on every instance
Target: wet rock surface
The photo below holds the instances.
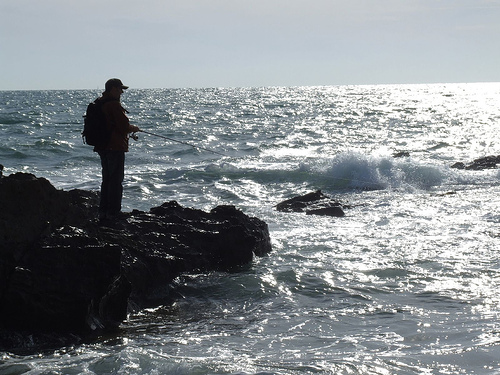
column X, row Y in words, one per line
column 487, row 162
column 63, row 271
column 314, row 203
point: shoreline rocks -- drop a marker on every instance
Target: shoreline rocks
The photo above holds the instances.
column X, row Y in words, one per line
column 314, row 203
column 487, row 162
column 60, row 271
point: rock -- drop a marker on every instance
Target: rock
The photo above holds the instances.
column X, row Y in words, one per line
column 315, row 203
column 62, row 271
column 171, row 239
column 401, row 154
column 445, row 194
column 61, row 288
column 487, row 162
column 458, row 165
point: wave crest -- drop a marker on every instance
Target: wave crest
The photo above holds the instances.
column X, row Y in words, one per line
column 354, row 170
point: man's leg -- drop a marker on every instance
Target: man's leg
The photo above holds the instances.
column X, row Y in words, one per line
column 116, row 165
column 103, row 203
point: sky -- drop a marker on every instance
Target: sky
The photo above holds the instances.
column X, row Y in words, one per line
column 79, row 44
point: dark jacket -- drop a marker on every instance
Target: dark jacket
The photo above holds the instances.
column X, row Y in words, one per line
column 118, row 122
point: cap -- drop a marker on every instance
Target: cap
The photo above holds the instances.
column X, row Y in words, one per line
column 114, row 82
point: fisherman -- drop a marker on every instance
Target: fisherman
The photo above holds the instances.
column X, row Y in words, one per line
column 113, row 154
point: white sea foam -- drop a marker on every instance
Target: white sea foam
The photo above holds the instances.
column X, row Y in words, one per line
column 355, row 170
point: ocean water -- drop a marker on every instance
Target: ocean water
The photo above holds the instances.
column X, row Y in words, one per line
column 406, row 283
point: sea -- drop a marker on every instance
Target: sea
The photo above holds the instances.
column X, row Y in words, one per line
column 407, row 282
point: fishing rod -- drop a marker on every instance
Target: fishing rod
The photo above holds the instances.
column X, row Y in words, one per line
column 184, row 143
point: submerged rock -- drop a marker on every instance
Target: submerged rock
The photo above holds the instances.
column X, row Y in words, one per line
column 61, row 270
column 314, row 203
column 401, row 154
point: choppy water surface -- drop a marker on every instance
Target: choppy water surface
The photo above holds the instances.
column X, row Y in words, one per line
column 406, row 283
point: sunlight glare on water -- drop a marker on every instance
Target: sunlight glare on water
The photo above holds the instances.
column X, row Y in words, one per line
column 405, row 283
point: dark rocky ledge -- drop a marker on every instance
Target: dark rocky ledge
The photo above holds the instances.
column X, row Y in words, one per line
column 314, row 203
column 486, row 162
column 62, row 271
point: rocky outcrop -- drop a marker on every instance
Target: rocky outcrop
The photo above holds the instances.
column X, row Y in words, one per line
column 401, row 154
column 314, row 203
column 61, row 270
column 487, row 162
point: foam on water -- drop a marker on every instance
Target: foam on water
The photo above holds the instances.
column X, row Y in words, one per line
column 354, row 170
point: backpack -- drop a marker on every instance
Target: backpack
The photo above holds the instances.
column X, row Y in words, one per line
column 95, row 132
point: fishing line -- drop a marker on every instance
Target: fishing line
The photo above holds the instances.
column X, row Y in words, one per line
column 184, row 143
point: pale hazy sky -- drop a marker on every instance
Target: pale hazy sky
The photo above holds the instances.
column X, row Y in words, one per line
column 73, row 44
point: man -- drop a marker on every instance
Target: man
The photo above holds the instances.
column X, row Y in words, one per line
column 113, row 154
